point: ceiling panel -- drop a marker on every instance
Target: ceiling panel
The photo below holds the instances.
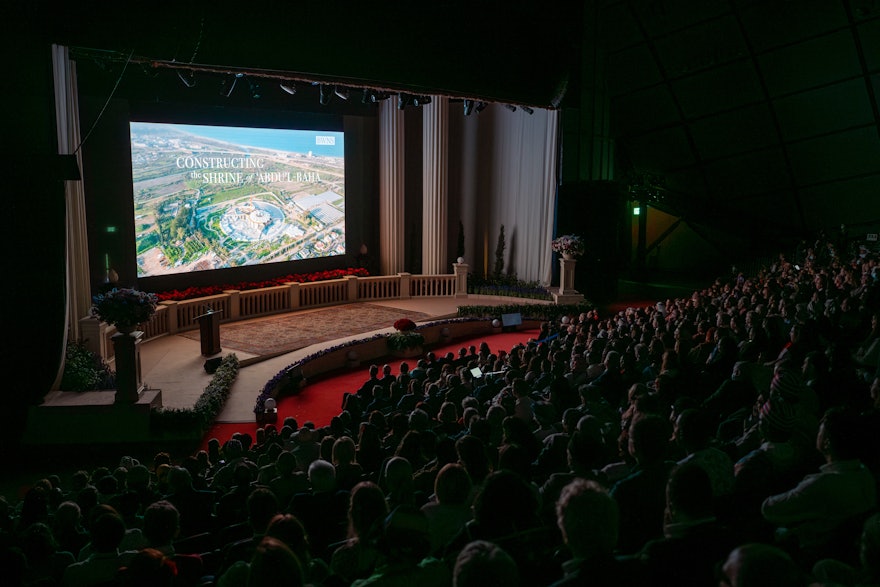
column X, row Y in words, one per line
column 630, row 117
column 706, row 45
column 716, row 90
column 631, row 69
column 735, row 132
column 774, row 23
column 847, row 201
column 836, row 156
column 664, row 149
column 617, row 27
column 760, row 172
column 809, row 64
column 667, row 16
column 869, row 37
column 827, row 109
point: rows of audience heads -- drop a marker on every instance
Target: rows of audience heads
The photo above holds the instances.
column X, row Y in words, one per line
column 728, row 437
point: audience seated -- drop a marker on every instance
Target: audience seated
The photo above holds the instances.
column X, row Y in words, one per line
column 734, row 428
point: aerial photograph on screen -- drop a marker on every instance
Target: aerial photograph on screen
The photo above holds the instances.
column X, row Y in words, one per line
column 211, row 197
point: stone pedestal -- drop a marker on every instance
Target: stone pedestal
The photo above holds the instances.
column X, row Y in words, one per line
column 567, row 294
column 126, row 347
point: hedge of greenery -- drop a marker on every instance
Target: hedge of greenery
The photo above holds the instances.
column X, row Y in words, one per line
column 195, row 421
column 544, row 312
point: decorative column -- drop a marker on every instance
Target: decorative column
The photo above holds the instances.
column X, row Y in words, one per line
column 126, row 347
column 435, row 142
column 391, row 189
column 567, row 294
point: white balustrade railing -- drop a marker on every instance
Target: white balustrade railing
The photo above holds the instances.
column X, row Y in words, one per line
column 172, row 317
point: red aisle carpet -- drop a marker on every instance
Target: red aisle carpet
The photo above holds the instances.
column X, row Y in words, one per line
column 321, row 399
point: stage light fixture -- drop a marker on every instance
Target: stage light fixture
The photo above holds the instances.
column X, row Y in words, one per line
column 341, row 92
column 187, row 77
column 510, row 107
column 420, row 100
column 527, row 110
column 229, row 84
column 480, row 106
column 288, row 87
column 324, row 98
column 402, row 101
column 468, row 107
column 255, row 88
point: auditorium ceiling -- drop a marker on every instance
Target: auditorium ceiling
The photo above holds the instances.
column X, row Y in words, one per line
column 756, row 115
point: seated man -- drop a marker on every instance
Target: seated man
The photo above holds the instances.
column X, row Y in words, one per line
column 814, row 511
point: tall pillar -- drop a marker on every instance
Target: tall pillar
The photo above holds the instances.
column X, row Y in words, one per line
column 126, row 347
column 435, row 185
column 391, row 189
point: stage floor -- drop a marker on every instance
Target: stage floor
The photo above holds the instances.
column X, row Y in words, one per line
column 174, row 364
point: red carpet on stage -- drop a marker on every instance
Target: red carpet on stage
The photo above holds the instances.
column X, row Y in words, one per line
column 321, row 399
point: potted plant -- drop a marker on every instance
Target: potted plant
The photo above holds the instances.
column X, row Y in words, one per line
column 568, row 245
column 405, row 341
column 125, row 308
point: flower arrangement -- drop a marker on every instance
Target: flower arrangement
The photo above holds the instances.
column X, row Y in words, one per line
column 568, row 244
column 406, row 336
column 404, row 324
column 124, row 307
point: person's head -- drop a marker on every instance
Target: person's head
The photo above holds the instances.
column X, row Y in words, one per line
column 322, row 476
column 869, row 547
column 405, row 535
column 344, row 451
column 161, row 523
column 693, row 429
column 649, row 438
column 367, row 508
column 148, row 568
column 506, row 503
column 274, row 564
column 288, row 529
column 106, row 531
column 262, row 505
column 484, row 564
column 453, row 485
column 839, row 434
column 759, row 565
column 587, row 517
column 689, row 493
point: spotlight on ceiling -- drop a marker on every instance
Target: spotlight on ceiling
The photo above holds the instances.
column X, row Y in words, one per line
column 187, row 77
column 255, row 89
column 403, row 100
column 341, row 92
column 468, row 107
column 419, row 100
column 378, row 96
column 480, row 106
column 288, row 87
column 229, row 83
column 527, row 110
column 510, row 107
column 324, row 95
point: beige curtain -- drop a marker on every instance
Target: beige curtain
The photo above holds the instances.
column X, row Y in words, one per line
column 68, row 131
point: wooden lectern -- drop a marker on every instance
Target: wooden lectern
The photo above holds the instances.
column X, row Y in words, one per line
column 209, row 332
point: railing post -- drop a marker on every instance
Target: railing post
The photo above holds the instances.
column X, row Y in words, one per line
column 171, row 316
column 352, row 293
column 234, row 304
column 92, row 332
column 405, row 281
column 461, row 273
column 293, row 294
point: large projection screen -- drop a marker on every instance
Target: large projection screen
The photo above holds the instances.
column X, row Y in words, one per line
column 213, row 197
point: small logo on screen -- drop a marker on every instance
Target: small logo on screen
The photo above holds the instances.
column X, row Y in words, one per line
column 319, row 140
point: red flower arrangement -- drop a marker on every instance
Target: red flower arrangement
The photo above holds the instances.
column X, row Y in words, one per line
column 210, row 290
column 404, row 324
